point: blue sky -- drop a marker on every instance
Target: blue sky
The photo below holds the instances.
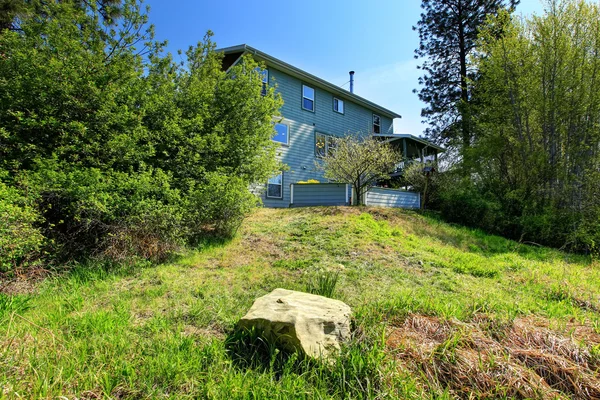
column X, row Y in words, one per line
column 327, row 38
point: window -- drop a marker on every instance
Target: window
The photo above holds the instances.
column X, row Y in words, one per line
column 324, row 144
column 308, row 98
column 331, row 145
column 282, row 134
column 338, row 105
column 265, row 82
column 275, row 187
column 376, row 124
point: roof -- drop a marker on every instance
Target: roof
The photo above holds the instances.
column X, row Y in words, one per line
column 396, row 136
column 305, row 76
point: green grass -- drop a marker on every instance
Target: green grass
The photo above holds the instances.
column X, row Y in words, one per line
column 168, row 331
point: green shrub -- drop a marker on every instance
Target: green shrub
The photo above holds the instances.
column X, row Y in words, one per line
column 219, row 205
column 109, row 214
column 463, row 202
column 20, row 239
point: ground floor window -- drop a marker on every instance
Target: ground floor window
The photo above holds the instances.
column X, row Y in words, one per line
column 275, row 187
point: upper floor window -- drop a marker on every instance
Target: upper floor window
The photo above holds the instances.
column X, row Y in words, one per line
column 308, row 98
column 282, row 134
column 376, row 124
column 338, row 105
column 265, row 81
column 324, row 144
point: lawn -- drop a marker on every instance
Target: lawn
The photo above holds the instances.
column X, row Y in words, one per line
column 439, row 311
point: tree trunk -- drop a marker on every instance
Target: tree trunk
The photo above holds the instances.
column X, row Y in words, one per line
column 464, row 91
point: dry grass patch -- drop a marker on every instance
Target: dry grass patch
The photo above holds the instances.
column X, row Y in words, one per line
column 489, row 358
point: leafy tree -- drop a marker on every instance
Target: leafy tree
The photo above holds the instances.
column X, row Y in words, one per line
column 121, row 150
column 12, row 12
column 536, row 156
column 360, row 160
column 448, row 32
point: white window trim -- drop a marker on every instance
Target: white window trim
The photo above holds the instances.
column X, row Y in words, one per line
column 343, row 106
column 275, row 197
column 314, row 103
column 282, row 122
column 378, row 125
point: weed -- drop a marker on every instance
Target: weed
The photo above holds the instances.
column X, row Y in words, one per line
column 323, row 283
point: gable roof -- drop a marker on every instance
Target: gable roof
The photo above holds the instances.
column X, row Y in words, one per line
column 308, row 78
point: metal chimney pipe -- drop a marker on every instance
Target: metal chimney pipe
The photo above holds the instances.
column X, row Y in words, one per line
column 351, row 81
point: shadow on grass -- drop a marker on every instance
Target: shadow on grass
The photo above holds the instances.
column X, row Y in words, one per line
column 98, row 269
column 247, row 349
column 355, row 373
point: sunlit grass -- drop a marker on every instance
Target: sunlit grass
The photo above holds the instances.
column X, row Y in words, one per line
column 165, row 331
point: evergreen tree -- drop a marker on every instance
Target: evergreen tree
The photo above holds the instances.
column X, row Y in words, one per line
column 448, row 31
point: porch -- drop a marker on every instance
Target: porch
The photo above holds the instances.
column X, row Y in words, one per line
column 413, row 149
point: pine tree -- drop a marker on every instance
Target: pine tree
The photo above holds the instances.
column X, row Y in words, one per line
column 448, row 32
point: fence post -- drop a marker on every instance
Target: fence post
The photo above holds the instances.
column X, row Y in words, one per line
column 347, row 196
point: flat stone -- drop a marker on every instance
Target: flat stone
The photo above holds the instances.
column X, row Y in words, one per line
column 313, row 325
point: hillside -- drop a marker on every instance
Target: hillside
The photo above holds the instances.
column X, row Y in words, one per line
column 440, row 311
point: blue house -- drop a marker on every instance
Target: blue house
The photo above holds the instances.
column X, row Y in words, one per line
column 314, row 111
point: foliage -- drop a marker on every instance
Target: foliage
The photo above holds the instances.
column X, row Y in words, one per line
column 536, row 155
column 463, row 202
column 89, row 211
column 360, row 160
column 20, row 239
column 219, row 205
column 126, row 152
column 448, row 33
column 420, row 181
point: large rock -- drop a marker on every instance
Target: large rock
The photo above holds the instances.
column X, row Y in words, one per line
column 313, row 325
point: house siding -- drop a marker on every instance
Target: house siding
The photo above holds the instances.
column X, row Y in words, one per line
column 329, row 194
column 299, row 155
column 377, row 197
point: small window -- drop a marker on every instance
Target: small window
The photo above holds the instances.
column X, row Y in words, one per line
column 308, row 98
column 324, row 145
column 282, row 134
column 376, row 124
column 275, row 187
column 338, row 105
column 265, row 82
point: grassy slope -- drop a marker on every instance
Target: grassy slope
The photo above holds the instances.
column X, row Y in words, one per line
column 161, row 331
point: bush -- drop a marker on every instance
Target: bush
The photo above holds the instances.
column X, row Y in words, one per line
column 414, row 176
column 109, row 214
column 462, row 202
column 20, row 239
column 219, row 205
